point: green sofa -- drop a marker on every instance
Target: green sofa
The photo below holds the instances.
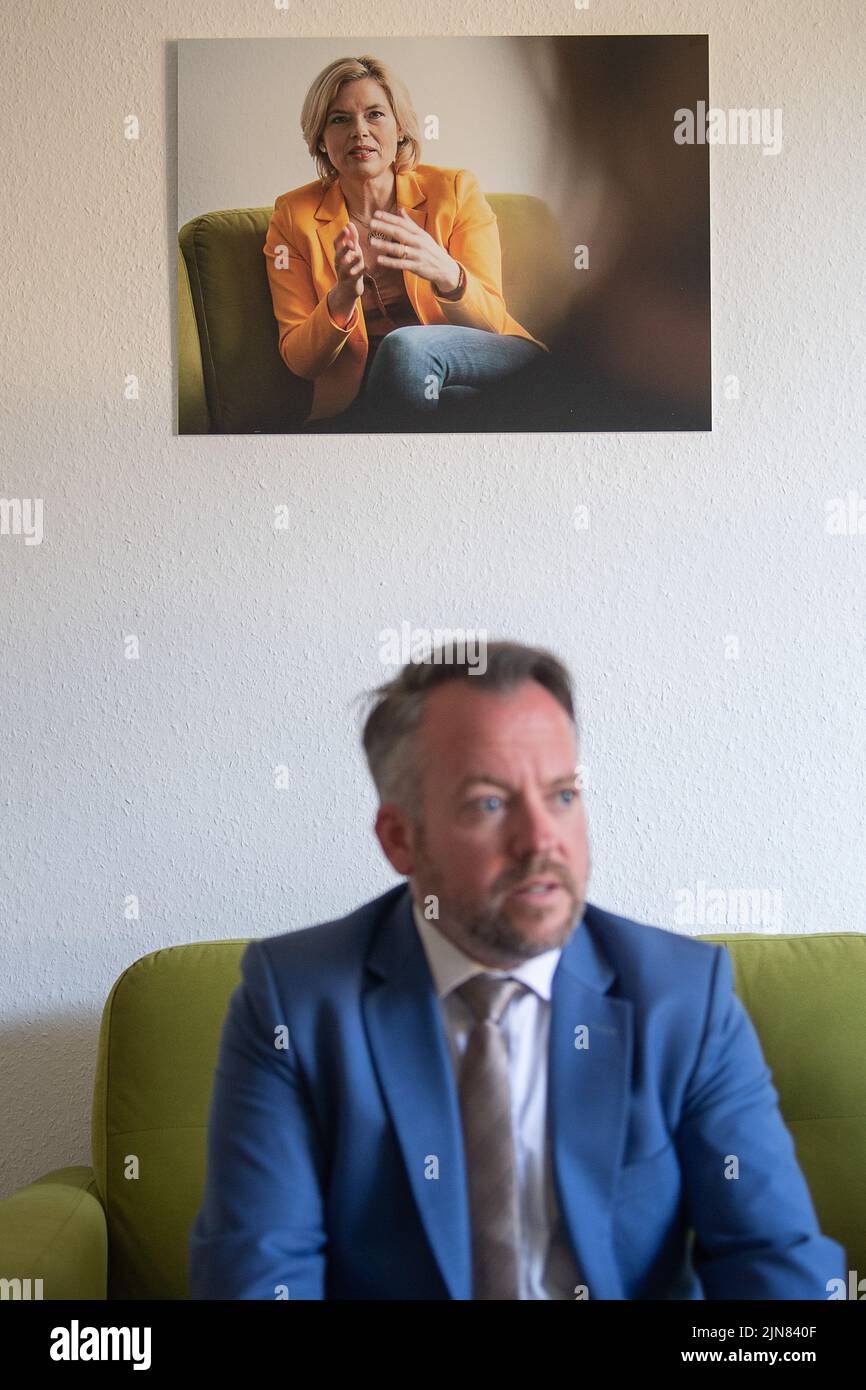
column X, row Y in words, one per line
column 109, row 1231
column 230, row 376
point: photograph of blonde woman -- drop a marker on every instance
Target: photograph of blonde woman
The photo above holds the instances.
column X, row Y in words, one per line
column 443, row 235
column 385, row 271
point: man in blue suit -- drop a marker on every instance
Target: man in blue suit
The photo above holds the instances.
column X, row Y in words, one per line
column 479, row 1085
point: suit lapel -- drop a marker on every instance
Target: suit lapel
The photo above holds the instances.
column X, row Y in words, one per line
column 332, row 216
column 411, row 1056
column 588, row 1090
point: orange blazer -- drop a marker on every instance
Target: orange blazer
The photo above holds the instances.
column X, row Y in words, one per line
column 447, row 203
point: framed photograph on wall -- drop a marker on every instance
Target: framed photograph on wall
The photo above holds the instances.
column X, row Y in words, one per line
column 443, row 234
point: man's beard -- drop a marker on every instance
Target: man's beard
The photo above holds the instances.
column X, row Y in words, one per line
column 490, row 926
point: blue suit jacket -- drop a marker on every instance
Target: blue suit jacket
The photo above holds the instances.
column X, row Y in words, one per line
column 320, row 1182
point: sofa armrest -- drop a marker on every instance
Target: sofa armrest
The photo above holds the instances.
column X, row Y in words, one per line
column 54, row 1229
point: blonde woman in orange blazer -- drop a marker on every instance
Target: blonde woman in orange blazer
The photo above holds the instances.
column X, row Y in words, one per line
column 386, row 274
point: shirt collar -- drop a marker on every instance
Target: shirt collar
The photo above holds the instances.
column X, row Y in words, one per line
column 450, row 966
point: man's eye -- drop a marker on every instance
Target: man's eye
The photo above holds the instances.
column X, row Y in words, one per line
column 485, row 803
column 571, row 793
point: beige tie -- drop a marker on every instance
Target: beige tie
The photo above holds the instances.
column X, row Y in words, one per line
column 485, row 1104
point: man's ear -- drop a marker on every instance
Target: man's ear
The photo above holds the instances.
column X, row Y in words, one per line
column 396, row 834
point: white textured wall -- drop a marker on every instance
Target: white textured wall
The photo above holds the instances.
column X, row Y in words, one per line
column 155, row 776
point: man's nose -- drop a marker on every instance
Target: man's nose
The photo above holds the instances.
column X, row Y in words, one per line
column 534, row 831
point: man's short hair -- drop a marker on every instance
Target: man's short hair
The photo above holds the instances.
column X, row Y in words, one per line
column 390, row 731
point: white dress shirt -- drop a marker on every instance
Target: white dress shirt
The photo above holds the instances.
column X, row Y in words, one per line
column 547, row 1268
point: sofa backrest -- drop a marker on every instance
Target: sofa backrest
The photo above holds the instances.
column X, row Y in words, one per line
column 248, row 386
column 158, row 1047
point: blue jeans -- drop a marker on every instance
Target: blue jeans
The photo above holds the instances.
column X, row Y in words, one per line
column 422, row 365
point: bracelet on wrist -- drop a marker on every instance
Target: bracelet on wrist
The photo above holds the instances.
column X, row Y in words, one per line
column 458, row 289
